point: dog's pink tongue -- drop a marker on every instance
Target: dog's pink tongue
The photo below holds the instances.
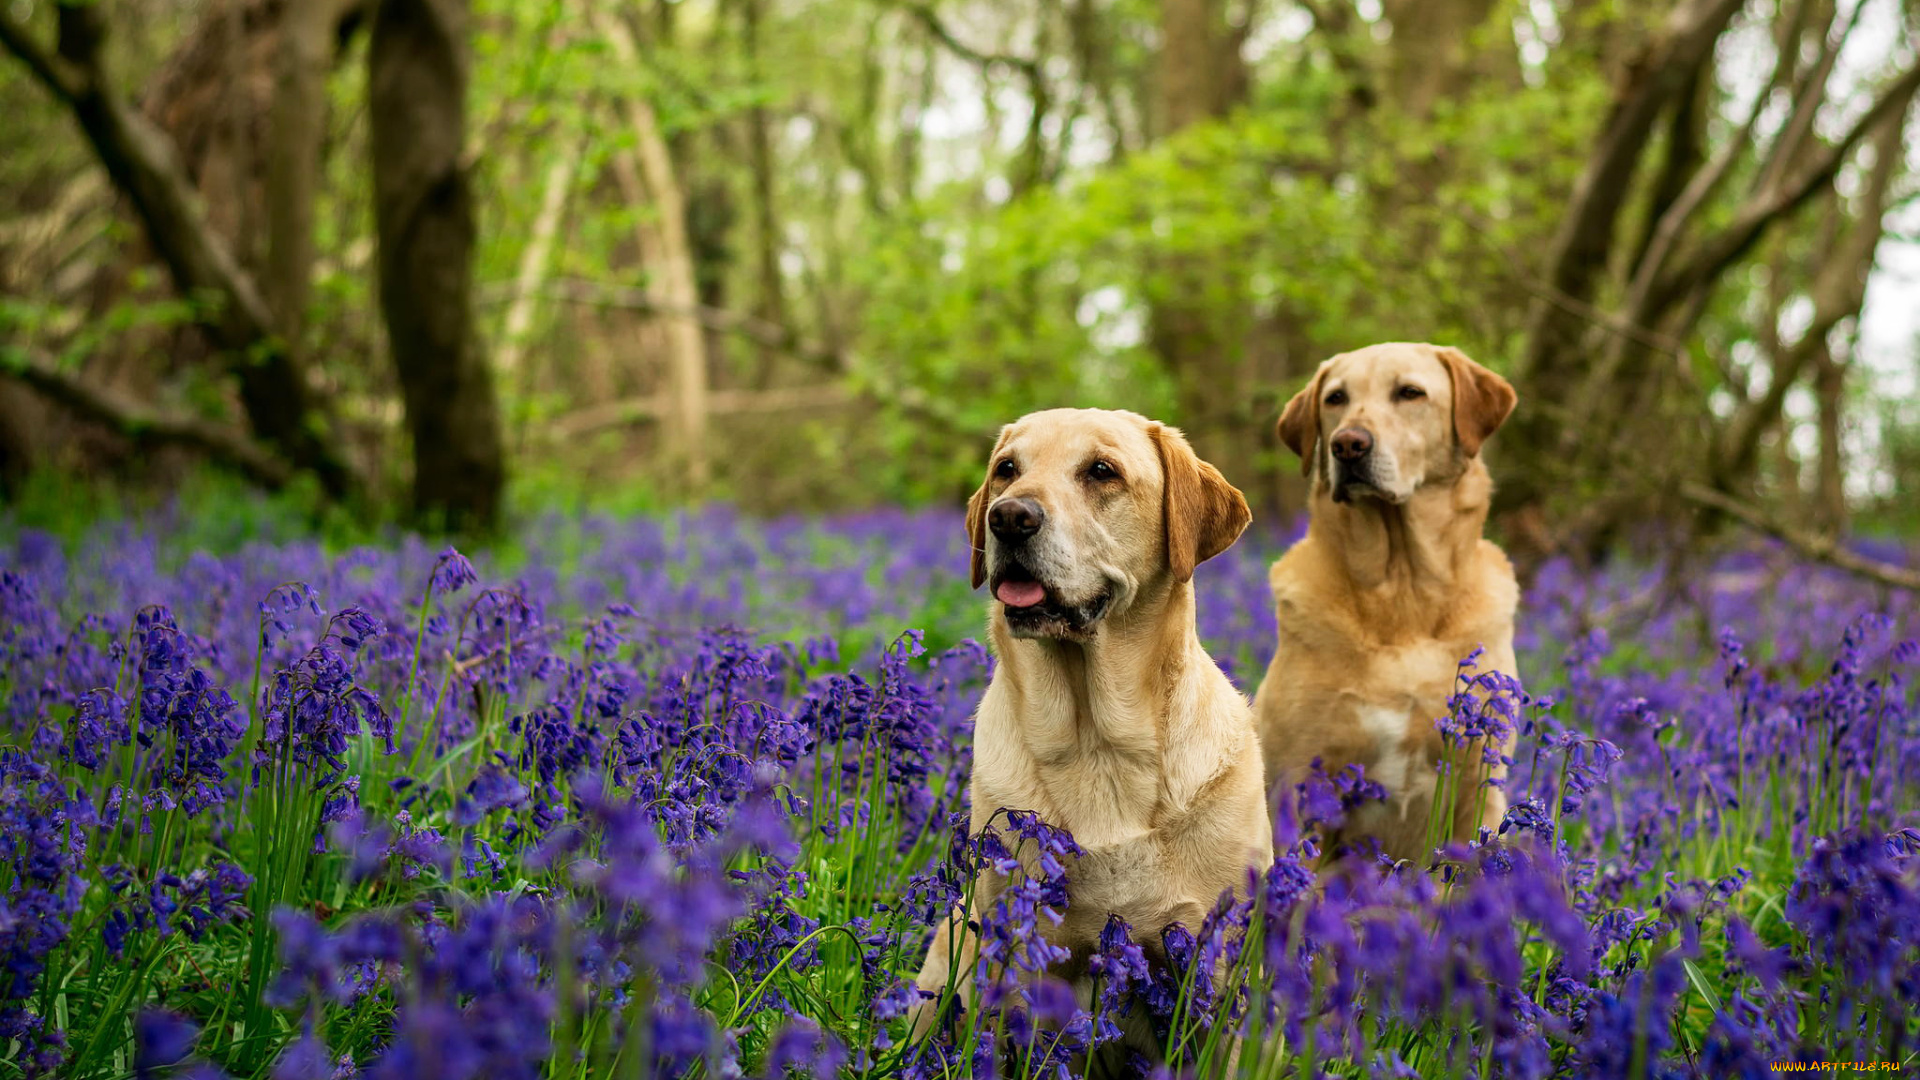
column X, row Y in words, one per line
column 1020, row 593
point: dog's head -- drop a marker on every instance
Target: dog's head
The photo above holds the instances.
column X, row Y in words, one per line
column 1084, row 509
column 1383, row 421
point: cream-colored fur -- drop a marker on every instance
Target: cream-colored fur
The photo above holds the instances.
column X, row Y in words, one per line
column 1121, row 730
column 1392, row 586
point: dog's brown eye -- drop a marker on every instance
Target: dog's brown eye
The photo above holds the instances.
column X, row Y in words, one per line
column 1006, row 470
column 1409, row 393
column 1338, row 397
column 1100, row 470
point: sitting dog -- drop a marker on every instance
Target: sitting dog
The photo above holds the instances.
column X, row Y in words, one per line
column 1105, row 716
column 1391, row 588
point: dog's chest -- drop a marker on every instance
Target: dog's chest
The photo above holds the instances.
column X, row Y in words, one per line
column 1402, row 762
column 1372, row 704
column 1104, row 796
column 1090, row 765
column 1107, row 801
column 1129, row 878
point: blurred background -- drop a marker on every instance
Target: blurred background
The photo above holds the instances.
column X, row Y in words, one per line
column 452, row 262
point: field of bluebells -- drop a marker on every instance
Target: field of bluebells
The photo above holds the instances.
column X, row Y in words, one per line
column 679, row 796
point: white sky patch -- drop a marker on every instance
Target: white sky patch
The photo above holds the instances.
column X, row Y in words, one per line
column 1288, row 27
column 1794, row 317
column 1536, row 30
column 1112, row 319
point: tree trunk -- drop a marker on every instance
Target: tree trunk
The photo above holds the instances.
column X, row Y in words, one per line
column 771, row 303
column 1197, row 319
column 518, row 327
column 295, row 140
column 1201, row 73
column 1830, row 482
column 19, row 436
column 423, row 212
column 672, row 266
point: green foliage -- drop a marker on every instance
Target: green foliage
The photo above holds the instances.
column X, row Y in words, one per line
column 207, row 509
column 917, row 262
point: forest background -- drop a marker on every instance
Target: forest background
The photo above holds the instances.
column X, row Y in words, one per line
column 445, row 261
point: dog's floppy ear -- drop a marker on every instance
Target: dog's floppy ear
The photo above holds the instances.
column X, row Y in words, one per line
column 1482, row 400
column 977, row 514
column 977, row 534
column 1204, row 513
column 1300, row 421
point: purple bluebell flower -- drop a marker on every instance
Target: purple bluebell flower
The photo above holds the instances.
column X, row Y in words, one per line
column 161, row 1039
column 802, row 1047
column 452, row 572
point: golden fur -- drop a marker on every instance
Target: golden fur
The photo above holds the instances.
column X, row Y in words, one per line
column 1391, row 587
column 1121, row 730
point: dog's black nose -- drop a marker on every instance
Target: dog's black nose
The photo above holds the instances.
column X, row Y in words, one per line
column 1013, row 520
column 1352, row 444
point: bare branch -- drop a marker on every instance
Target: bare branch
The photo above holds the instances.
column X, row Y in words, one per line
column 1579, row 252
column 143, row 426
column 650, row 409
column 1812, row 93
column 1666, row 233
column 1605, row 320
column 1818, row 548
column 62, row 79
column 760, row 331
column 1033, row 154
column 144, row 165
column 1713, row 255
column 1839, row 289
column 931, row 20
column 869, row 380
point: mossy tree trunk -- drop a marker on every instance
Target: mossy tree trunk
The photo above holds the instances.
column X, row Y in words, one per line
column 423, row 213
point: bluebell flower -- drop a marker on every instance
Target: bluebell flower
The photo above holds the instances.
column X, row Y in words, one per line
column 801, row 1047
column 451, row 573
column 161, row 1039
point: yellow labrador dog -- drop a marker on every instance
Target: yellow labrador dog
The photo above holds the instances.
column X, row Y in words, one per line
column 1105, row 716
column 1392, row 586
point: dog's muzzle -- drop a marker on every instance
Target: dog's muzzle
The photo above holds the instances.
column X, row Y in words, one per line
column 1352, row 450
column 1034, row 610
column 1033, row 606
